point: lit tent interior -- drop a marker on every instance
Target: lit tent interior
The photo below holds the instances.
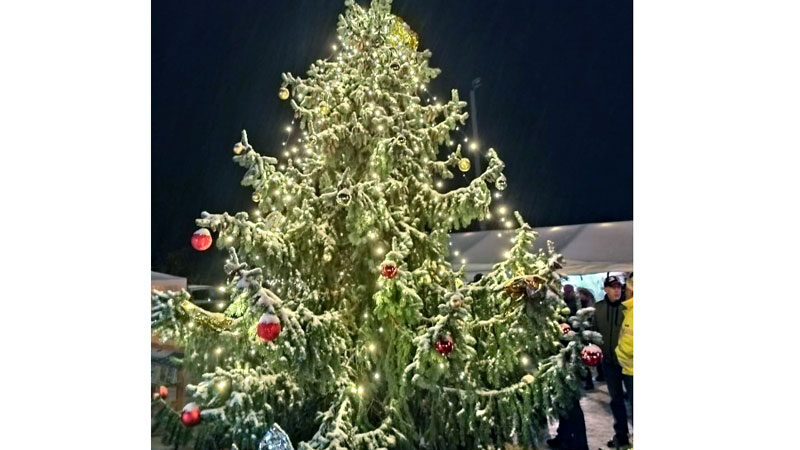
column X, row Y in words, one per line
column 590, row 250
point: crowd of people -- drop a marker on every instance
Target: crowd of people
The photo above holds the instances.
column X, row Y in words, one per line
column 613, row 319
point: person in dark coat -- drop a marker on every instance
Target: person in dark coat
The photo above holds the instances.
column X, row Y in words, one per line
column 586, row 297
column 608, row 315
column 571, row 299
column 571, row 432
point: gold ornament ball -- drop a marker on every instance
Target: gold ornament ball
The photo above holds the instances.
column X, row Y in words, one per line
column 324, row 109
column 527, row 379
column 238, row 148
column 283, row 93
column 256, row 197
column 464, row 164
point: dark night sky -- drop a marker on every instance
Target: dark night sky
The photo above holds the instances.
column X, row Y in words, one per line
column 556, row 99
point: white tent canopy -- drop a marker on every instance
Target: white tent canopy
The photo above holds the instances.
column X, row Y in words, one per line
column 166, row 282
column 587, row 248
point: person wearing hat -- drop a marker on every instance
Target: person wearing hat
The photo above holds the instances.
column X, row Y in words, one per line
column 608, row 316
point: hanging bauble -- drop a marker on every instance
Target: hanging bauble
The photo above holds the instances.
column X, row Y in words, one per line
column 565, row 328
column 395, row 66
column 256, row 197
column 269, row 327
column 389, row 269
column 501, row 183
column 201, row 239
column 444, row 346
column 456, row 301
column 238, row 148
column 275, row 439
column 527, row 379
column 190, row 416
column 283, row 93
column 463, row 164
column 324, row 109
column 343, row 197
column 163, row 392
column 591, row 355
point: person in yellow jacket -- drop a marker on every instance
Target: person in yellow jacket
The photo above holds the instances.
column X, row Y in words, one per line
column 624, row 348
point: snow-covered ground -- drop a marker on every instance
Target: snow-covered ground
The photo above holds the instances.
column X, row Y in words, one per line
column 599, row 423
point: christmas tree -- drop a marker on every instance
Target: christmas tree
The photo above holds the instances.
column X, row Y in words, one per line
column 346, row 325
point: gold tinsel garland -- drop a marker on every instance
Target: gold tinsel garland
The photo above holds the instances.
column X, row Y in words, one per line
column 199, row 316
column 516, row 286
column 401, row 34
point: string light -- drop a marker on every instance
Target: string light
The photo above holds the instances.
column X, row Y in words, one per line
column 371, row 347
column 524, row 360
column 377, row 376
column 221, row 288
column 218, row 350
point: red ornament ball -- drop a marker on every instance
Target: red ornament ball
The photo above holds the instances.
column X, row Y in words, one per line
column 201, row 239
column 444, row 346
column 389, row 270
column 163, row 392
column 591, row 355
column 565, row 328
column 269, row 327
column 190, row 416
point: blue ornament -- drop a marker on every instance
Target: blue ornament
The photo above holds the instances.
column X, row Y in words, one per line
column 275, row 439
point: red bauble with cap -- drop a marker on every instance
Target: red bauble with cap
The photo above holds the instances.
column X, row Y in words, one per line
column 444, row 346
column 163, row 392
column 201, row 239
column 190, row 416
column 389, row 270
column 591, row 355
column 269, row 327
